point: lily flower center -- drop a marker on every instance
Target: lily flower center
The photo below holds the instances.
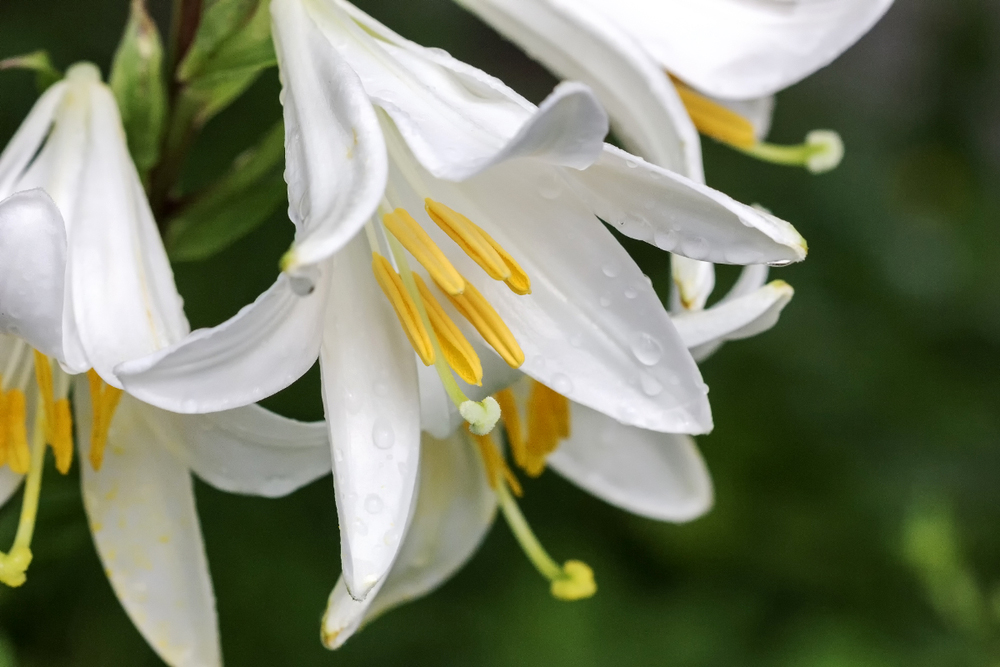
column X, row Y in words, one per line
column 52, row 425
column 430, row 329
column 822, row 150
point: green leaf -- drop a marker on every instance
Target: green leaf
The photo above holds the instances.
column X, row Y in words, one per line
column 39, row 61
column 232, row 47
column 233, row 207
column 137, row 82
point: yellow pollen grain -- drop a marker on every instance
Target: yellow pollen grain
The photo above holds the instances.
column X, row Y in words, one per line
column 405, row 307
column 512, row 424
column 497, row 470
column 413, row 237
column 62, row 436
column 470, row 238
column 716, row 121
column 477, row 310
column 457, row 350
column 548, row 425
column 18, row 454
column 104, row 401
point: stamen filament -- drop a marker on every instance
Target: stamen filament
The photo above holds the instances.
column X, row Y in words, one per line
column 822, row 151
column 456, row 347
column 14, row 564
column 413, row 237
column 477, row 310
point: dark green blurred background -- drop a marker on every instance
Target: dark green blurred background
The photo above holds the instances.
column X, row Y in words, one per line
column 857, row 445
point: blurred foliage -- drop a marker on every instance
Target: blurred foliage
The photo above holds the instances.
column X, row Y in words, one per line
column 857, row 445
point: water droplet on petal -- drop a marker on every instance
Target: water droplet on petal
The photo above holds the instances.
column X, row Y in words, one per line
column 610, row 270
column 562, row 384
column 650, row 385
column 374, row 504
column 382, row 434
column 647, row 349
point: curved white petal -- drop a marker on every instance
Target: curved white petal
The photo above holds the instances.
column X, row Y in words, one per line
column 656, row 475
column 23, row 146
column 674, row 213
column 454, row 510
column 372, row 408
column 694, row 281
column 248, row 450
column 32, row 270
column 758, row 110
column 457, row 119
column 740, row 49
column 592, row 327
column 581, row 44
column 258, row 352
column 334, row 154
column 141, row 510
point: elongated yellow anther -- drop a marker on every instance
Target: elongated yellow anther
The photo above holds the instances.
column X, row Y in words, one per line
column 413, row 237
column 62, row 436
column 512, row 425
column 405, row 307
column 477, row 310
column 716, row 121
column 4, row 426
column 18, row 454
column 43, row 375
column 548, row 425
column 455, row 347
column 497, row 470
column 103, row 402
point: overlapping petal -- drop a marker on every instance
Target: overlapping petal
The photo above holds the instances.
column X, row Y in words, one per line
column 23, row 146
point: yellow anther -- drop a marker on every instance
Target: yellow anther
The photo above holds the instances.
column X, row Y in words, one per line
column 480, row 246
column 62, row 436
column 716, row 121
column 512, row 424
column 477, row 310
column 4, row 426
column 577, row 582
column 103, row 402
column 457, row 350
column 497, row 470
column 43, row 375
column 18, row 454
column 548, row 425
column 413, row 237
column 405, row 307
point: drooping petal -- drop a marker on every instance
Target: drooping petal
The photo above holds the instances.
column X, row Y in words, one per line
column 457, row 119
column 335, row 157
column 657, row 475
column 372, row 408
column 581, row 44
column 674, row 213
column 738, row 49
column 454, row 510
column 142, row 513
column 24, row 145
column 258, row 352
column 248, row 450
column 125, row 302
column 693, row 283
column 592, row 328
column 32, row 271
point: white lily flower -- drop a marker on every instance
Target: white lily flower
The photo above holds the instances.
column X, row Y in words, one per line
column 377, row 123
column 84, row 280
column 656, row 475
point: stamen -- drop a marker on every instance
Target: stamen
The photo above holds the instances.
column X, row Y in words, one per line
column 482, row 416
column 574, row 580
column 512, row 425
column 413, row 237
column 43, row 375
column 103, row 402
column 58, row 422
column 480, row 314
column 4, row 425
column 716, row 121
column 18, row 454
column 821, row 152
column 480, row 246
column 405, row 307
column 456, row 347
column 14, row 564
column 548, row 424
column 497, row 471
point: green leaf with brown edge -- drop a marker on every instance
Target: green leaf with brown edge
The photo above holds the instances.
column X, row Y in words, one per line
column 234, row 206
column 137, row 82
column 45, row 72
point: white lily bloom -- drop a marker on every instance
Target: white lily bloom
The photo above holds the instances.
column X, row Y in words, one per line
column 377, row 123
column 84, row 280
column 657, row 475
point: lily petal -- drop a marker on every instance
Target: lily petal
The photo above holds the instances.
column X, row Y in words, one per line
column 142, row 514
column 739, row 50
column 454, row 510
column 335, row 156
column 32, row 270
column 657, row 475
column 693, row 283
column 651, row 204
column 23, row 146
column 457, row 119
column 372, row 408
column 248, row 450
column 579, row 43
column 258, row 352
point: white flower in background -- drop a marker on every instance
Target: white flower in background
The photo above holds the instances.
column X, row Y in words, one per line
column 393, row 150
column 85, row 281
column 657, row 475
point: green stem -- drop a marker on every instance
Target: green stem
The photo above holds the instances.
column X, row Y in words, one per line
column 788, row 155
column 532, row 548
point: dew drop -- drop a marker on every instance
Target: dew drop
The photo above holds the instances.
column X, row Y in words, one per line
column 631, row 293
column 647, row 349
column 562, row 384
column 360, row 527
column 650, row 385
column 338, row 454
column 353, row 401
column 382, row 434
column 781, row 262
column 605, row 300
column 665, row 240
column 697, row 248
column 610, row 270
column 631, row 164
column 374, row 504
